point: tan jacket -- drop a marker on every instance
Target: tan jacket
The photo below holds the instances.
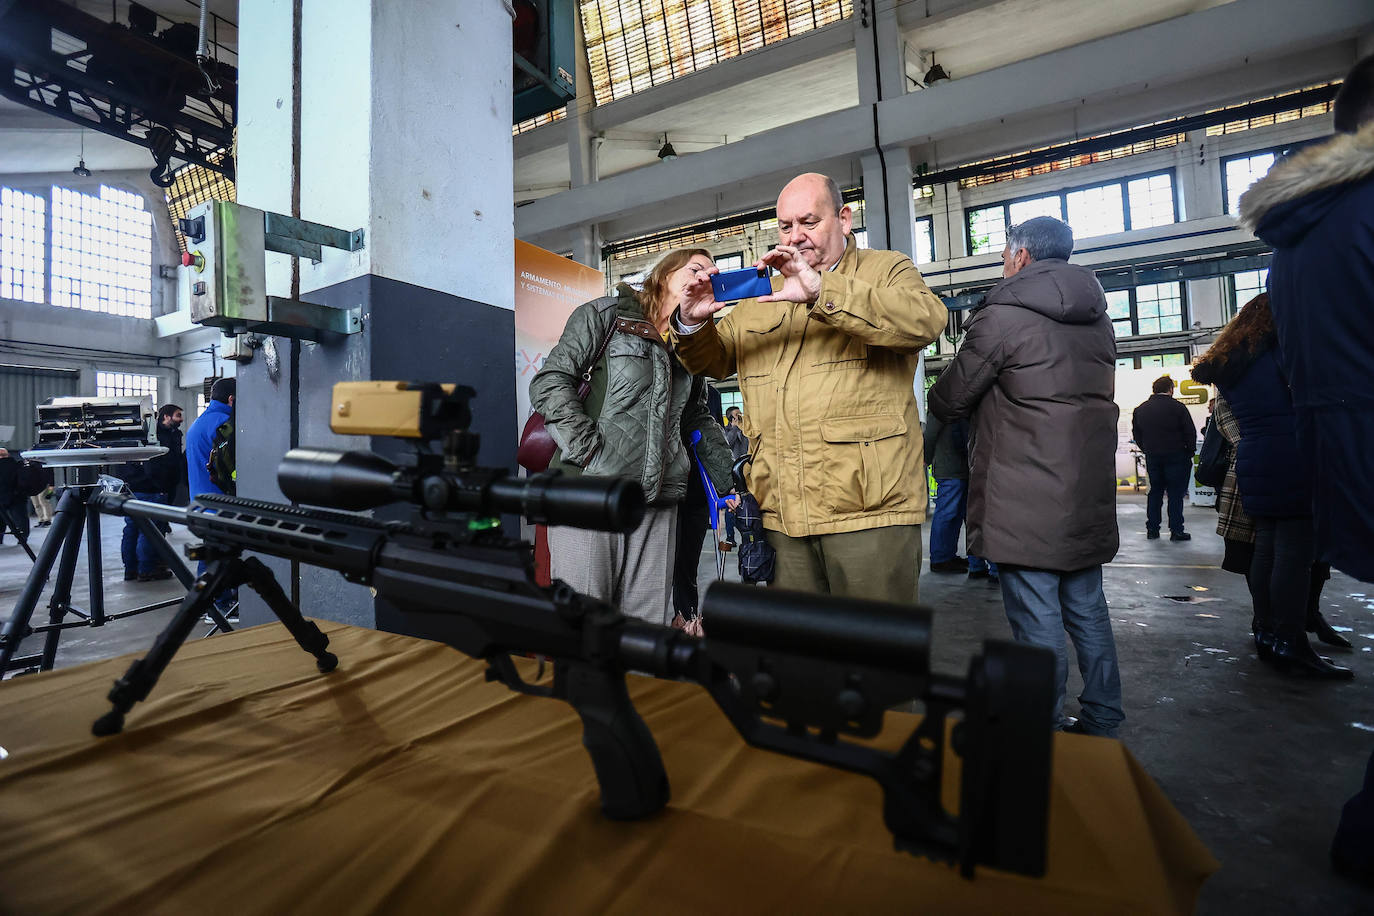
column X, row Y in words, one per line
column 829, row 404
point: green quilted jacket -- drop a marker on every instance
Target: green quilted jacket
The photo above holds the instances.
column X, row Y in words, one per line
column 638, row 419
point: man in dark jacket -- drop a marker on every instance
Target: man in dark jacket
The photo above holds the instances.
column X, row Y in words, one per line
column 1037, row 372
column 169, row 470
column 1163, row 430
column 14, row 503
column 1317, row 210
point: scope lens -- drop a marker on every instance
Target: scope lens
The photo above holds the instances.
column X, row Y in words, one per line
column 341, row 480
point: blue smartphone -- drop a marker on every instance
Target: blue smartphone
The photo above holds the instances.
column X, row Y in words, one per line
column 746, row 283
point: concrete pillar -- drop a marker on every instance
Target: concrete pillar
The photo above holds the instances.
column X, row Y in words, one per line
column 1199, row 177
column 394, row 118
column 889, row 211
column 583, row 147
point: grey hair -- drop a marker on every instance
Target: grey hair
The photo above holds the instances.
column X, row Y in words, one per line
column 1042, row 237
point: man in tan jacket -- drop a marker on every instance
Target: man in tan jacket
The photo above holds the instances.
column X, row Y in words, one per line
column 826, row 365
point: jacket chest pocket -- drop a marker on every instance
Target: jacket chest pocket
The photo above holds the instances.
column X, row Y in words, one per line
column 861, row 463
column 630, row 370
column 832, row 350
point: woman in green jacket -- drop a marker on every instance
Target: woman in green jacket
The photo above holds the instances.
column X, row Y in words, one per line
column 636, row 422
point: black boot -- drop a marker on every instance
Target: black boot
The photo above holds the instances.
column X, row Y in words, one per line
column 1317, row 625
column 1295, row 656
column 1264, row 645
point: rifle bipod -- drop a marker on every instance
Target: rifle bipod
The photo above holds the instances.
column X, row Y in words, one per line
column 224, row 568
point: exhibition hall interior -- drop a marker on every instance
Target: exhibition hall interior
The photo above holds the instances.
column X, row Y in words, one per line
column 688, row 456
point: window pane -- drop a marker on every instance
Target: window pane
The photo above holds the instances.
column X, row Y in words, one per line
column 860, row 238
column 1152, row 201
column 729, row 261
column 1159, row 301
column 1243, row 172
column 1122, row 328
column 23, row 237
column 925, row 241
column 104, row 251
column 1119, row 304
column 1125, row 362
column 1023, row 210
column 1175, row 359
column 1096, row 211
column 1246, row 286
column 987, row 230
column 125, row 384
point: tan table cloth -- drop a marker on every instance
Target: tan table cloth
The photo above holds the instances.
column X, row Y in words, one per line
column 403, row 783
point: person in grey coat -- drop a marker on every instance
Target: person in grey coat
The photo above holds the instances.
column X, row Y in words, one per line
column 1037, row 374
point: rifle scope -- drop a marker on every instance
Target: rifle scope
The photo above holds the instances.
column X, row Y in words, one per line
column 366, row 480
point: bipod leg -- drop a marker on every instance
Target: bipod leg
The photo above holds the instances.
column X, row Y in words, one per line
column 7, row 524
column 61, row 601
column 69, row 516
column 310, row 637
column 139, row 680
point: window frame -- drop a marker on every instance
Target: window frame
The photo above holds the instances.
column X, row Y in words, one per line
column 1134, row 318
column 1233, row 303
column 930, row 234
column 1062, row 193
column 1281, row 152
column 1135, row 358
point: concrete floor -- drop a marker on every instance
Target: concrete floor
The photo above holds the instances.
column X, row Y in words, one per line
column 1259, row 764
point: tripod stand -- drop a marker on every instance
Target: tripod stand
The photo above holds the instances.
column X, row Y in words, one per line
column 7, row 524
column 224, row 568
column 73, row 515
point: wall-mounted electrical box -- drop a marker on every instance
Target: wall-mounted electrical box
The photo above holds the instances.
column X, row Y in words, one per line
column 226, row 264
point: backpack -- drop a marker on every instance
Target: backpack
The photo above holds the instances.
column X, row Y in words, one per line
column 220, row 464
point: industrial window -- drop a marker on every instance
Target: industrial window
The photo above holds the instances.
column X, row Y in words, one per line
column 193, row 185
column 992, row 174
column 730, row 399
column 1242, row 171
column 633, row 45
column 729, row 261
column 1245, row 286
column 1165, row 360
column 557, row 114
column 1151, row 309
column 125, row 385
column 23, row 232
column 1092, row 210
column 1291, row 114
column 102, row 252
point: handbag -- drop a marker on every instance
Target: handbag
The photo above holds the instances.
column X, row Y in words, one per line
column 536, row 444
column 1214, row 457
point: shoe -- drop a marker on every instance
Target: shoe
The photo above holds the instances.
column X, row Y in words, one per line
column 1078, row 728
column 156, row 575
column 726, row 546
column 1295, row 656
column 1317, row 625
column 1264, row 645
column 1151, row 535
column 1180, row 536
column 130, row 575
column 953, row 565
column 979, row 574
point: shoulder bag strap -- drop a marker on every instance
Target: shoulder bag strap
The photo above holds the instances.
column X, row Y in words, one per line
column 585, row 388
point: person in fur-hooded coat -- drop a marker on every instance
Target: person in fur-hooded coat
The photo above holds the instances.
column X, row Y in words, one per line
column 1317, row 211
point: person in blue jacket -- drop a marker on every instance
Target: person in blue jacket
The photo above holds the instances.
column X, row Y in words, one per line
column 200, row 438
column 1317, row 211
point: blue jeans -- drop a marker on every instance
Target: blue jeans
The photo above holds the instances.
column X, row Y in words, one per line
column 951, row 507
column 729, row 526
column 135, row 549
column 1169, row 472
column 1041, row 605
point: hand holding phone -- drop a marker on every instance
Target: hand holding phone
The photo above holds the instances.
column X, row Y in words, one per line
column 746, row 283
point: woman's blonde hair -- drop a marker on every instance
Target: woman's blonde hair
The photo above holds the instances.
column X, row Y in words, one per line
column 656, row 284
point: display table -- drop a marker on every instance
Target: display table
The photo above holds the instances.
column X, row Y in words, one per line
column 404, row 783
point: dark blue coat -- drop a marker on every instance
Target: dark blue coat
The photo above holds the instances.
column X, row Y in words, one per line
column 1271, row 474
column 1317, row 211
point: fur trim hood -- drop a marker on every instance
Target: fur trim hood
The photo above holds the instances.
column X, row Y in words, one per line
column 1342, row 160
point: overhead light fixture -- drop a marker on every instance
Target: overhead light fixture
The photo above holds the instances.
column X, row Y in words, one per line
column 81, row 171
column 667, row 152
column 936, row 73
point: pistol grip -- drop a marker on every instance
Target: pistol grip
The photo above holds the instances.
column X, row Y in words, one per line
column 624, row 755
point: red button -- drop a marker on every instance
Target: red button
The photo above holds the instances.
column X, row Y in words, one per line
column 186, row 259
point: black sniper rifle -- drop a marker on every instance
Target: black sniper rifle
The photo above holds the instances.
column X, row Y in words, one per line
column 793, row 672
